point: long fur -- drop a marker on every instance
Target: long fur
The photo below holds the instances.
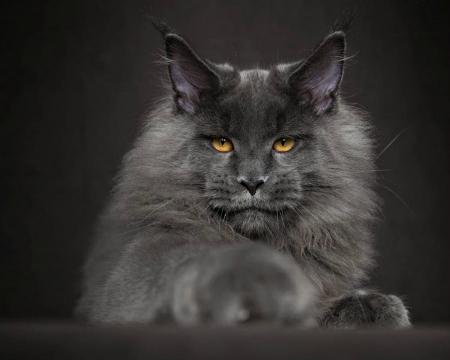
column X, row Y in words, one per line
column 318, row 204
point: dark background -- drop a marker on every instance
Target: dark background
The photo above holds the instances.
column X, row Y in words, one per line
column 76, row 77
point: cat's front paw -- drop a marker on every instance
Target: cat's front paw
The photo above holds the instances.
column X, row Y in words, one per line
column 366, row 309
column 244, row 283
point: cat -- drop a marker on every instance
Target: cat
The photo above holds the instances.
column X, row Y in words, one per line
column 248, row 196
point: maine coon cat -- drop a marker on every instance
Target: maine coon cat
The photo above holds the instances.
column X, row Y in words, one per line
column 249, row 195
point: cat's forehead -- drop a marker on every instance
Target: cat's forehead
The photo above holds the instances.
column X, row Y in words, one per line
column 254, row 105
column 254, row 78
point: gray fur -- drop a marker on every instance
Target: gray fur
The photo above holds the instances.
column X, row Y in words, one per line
column 183, row 240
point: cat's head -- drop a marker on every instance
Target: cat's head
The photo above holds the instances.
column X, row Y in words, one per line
column 268, row 150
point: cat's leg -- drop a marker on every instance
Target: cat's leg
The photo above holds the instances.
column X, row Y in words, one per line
column 366, row 309
column 200, row 283
column 244, row 283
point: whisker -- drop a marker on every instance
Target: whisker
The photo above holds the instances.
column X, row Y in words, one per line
column 143, row 227
column 206, row 207
column 309, row 213
column 392, row 141
column 134, row 230
column 398, row 197
column 191, row 207
column 145, row 218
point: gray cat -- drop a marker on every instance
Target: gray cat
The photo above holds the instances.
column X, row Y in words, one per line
column 248, row 196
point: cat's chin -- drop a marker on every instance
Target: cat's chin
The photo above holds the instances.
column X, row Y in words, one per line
column 253, row 222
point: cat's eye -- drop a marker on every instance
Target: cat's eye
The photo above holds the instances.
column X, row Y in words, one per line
column 283, row 144
column 222, row 144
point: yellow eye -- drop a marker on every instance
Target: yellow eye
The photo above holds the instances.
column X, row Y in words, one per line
column 222, row 144
column 284, row 144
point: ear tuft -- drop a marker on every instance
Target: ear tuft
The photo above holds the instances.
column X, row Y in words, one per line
column 160, row 25
column 192, row 79
column 316, row 82
column 344, row 22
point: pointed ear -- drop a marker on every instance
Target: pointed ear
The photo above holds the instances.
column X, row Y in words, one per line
column 316, row 82
column 192, row 79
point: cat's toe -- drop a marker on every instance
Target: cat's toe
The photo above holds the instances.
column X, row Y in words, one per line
column 366, row 309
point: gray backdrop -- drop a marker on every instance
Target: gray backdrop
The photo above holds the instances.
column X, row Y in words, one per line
column 78, row 75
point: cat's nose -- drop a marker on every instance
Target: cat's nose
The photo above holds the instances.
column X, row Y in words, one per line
column 252, row 186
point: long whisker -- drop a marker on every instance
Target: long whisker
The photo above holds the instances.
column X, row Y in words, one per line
column 309, row 212
column 201, row 212
column 143, row 227
column 134, row 230
column 392, row 141
column 398, row 197
column 191, row 207
column 160, row 207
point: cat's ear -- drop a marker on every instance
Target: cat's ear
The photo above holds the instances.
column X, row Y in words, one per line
column 316, row 82
column 192, row 79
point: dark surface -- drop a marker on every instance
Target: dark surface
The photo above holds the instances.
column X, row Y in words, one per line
column 78, row 75
column 64, row 341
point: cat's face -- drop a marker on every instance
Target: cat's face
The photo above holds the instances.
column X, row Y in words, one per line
column 266, row 148
column 264, row 143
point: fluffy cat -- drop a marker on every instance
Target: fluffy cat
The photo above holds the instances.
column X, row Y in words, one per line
column 249, row 195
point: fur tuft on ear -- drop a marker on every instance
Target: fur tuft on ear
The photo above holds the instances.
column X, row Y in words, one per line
column 344, row 22
column 192, row 79
column 160, row 25
column 316, row 82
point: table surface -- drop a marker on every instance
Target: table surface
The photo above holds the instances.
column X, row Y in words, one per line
column 76, row 341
